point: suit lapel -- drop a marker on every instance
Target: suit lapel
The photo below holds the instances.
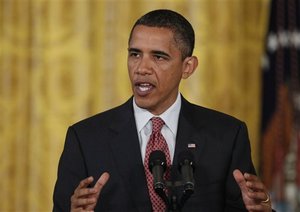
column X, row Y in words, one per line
column 127, row 154
column 190, row 137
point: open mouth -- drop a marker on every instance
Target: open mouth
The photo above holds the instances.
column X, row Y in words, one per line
column 143, row 88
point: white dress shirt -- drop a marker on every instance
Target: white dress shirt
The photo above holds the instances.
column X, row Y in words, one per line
column 169, row 130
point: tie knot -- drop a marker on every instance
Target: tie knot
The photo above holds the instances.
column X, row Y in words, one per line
column 157, row 124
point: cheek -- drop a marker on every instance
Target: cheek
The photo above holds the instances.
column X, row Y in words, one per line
column 131, row 76
column 178, row 73
column 171, row 80
column 130, row 68
column 166, row 81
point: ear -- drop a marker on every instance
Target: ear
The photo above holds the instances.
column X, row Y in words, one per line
column 189, row 66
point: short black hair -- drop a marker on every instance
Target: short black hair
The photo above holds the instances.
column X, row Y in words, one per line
column 184, row 34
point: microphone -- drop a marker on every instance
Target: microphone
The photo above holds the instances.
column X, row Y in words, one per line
column 186, row 167
column 157, row 166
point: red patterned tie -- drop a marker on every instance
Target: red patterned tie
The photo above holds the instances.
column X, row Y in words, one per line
column 156, row 142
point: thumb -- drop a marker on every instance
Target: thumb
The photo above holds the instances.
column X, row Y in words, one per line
column 239, row 178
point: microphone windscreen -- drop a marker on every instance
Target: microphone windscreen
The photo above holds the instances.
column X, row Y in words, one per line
column 185, row 156
column 157, row 157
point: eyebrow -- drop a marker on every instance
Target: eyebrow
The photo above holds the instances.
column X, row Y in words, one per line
column 157, row 52
column 134, row 50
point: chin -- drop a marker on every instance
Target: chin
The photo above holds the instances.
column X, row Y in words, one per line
column 143, row 103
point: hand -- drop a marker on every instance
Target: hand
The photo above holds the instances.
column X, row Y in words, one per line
column 254, row 193
column 85, row 199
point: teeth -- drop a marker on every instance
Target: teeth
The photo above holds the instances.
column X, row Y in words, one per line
column 144, row 87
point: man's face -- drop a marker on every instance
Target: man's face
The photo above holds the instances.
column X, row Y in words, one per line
column 155, row 68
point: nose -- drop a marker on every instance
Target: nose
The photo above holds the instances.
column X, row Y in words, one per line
column 144, row 66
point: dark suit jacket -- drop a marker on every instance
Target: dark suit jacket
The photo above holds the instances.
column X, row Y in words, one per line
column 109, row 142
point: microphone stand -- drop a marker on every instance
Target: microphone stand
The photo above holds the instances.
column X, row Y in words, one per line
column 172, row 201
column 157, row 165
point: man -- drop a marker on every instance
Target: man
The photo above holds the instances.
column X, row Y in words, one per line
column 114, row 144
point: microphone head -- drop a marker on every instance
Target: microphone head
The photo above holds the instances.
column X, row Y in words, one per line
column 186, row 157
column 157, row 157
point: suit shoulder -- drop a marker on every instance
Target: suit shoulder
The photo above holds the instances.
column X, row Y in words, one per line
column 104, row 118
column 212, row 116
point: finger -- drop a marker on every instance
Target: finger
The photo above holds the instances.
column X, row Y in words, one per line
column 239, row 178
column 85, row 202
column 82, row 202
column 76, row 209
column 253, row 182
column 255, row 185
column 85, row 192
column 251, row 177
column 101, row 181
column 85, row 182
column 258, row 207
column 98, row 187
column 258, row 196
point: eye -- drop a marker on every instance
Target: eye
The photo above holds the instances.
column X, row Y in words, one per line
column 134, row 54
column 160, row 57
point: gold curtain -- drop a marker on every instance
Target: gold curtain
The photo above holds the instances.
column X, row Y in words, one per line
column 64, row 60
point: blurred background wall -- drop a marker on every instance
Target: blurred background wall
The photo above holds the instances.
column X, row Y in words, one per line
column 64, row 60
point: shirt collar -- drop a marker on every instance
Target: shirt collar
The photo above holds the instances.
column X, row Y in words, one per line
column 170, row 116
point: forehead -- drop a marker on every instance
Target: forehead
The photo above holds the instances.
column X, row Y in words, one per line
column 154, row 37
